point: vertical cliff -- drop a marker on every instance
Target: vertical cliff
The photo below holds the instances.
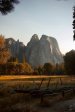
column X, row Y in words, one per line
column 42, row 51
column 38, row 51
column 16, row 48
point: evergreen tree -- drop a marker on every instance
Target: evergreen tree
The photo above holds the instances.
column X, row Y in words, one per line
column 7, row 6
column 47, row 68
column 69, row 62
column 74, row 22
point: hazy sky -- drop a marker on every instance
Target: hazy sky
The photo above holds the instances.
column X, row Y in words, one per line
column 49, row 17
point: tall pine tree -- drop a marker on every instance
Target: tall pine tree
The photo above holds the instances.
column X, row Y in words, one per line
column 7, row 6
column 73, row 22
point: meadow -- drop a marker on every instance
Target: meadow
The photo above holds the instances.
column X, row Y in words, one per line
column 12, row 101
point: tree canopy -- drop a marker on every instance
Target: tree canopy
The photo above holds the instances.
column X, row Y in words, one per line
column 74, row 22
column 47, row 68
column 4, row 53
column 69, row 62
column 6, row 6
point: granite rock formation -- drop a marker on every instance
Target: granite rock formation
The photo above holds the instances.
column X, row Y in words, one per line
column 16, row 48
column 44, row 50
column 37, row 52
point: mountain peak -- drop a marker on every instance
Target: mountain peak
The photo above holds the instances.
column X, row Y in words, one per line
column 41, row 51
column 34, row 37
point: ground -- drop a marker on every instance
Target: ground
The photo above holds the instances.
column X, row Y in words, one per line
column 11, row 101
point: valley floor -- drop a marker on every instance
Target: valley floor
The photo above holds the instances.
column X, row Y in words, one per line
column 11, row 101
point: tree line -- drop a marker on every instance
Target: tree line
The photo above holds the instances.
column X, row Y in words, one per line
column 66, row 68
column 11, row 66
column 49, row 69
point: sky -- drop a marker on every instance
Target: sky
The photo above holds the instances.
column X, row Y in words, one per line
column 48, row 17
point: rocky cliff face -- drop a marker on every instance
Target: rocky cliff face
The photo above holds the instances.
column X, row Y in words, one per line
column 37, row 52
column 16, row 48
column 42, row 51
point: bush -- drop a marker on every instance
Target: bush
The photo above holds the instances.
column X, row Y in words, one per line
column 13, row 68
column 47, row 68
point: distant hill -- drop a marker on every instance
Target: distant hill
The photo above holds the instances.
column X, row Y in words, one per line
column 38, row 51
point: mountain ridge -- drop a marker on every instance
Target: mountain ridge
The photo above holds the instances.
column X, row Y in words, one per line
column 37, row 51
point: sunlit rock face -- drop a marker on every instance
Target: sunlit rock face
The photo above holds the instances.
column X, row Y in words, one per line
column 38, row 52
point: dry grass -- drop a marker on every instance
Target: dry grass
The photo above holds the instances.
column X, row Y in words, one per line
column 19, row 102
column 20, row 77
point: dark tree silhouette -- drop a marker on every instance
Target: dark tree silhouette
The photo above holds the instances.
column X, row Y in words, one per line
column 6, row 6
column 47, row 68
column 74, row 22
column 69, row 62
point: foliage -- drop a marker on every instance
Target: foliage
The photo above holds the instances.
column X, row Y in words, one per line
column 13, row 68
column 13, row 59
column 10, row 68
column 47, row 68
column 74, row 22
column 69, row 62
column 27, row 69
column 58, row 69
column 4, row 53
column 10, row 65
column 40, row 70
column 7, row 6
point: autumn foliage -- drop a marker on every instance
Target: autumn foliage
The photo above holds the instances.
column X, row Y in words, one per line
column 10, row 65
column 4, row 53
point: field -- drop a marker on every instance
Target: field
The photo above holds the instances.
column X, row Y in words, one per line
column 12, row 101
